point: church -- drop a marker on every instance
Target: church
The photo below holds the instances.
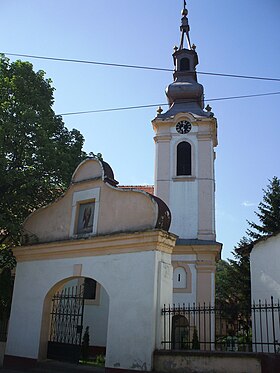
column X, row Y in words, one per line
column 106, row 259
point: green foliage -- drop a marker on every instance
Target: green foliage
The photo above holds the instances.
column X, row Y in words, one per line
column 268, row 212
column 6, row 291
column 195, row 341
column 100, row 360
column 7, row 259
column 7, row 263
column 38, row 153
column 233, row 284
column 85, row 345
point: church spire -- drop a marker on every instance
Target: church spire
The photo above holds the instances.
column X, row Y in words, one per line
column 185, row 94
column 185, row 28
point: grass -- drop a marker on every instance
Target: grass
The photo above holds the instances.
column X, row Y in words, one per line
column 99, row 361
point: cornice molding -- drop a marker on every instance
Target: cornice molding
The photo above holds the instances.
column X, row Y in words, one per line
column 204, row 136
column 214, row 250
column 163, row 137
column 154, row 240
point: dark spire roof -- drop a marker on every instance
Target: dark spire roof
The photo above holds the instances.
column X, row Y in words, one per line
column 184, row 94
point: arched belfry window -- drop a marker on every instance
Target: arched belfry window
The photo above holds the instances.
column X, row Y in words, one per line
column 184, row 159
column 184, row 64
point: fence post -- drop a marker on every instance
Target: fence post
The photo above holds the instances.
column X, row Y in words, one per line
column 273, row 325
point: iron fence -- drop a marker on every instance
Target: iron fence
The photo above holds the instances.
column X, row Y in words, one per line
column 230, row 328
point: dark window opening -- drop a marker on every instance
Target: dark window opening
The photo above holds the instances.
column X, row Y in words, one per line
column 89, row 288
column 184, row 162
column 180, row 336
column 184, row 64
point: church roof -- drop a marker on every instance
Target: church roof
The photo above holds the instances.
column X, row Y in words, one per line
column 144, row 188
column 246, row 250
column 185, row 94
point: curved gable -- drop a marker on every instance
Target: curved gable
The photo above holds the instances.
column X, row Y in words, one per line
column 94, row 205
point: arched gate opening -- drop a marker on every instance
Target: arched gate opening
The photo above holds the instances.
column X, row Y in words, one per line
column 75, row 319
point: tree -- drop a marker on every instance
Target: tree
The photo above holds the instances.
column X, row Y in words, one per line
column 233, row 279
column 37, row 152
column 38, row 155
column 268, row 212
column 233, row 285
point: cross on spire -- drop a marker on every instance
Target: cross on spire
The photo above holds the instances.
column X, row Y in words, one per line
column 185, row 28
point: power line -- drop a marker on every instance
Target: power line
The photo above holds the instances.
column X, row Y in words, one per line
column 165, row 104
column 140, row 67
column 89, row 62
column 113, row 109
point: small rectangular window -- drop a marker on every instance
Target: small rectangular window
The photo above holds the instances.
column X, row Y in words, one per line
column 89, row 288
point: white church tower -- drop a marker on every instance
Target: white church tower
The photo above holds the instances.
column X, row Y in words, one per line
column 185, row 139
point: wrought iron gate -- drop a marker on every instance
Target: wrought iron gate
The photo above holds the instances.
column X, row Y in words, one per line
column 66, row 325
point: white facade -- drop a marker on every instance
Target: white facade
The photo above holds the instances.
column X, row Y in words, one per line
column 265, row 284
column 87, row 234
column 265, row 269
column 132, row 267
column 133, row 309
column 190, row 197
column 96, row 318
column 185, row 139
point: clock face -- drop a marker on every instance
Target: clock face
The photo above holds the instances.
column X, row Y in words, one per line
column 183, row 126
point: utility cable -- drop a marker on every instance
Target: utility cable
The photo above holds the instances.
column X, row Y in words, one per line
column 140, row 67
column 165, row 104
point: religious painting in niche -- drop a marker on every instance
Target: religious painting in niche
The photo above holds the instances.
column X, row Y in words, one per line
column 85, row 217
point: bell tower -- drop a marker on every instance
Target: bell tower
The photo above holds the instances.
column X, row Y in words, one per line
column 185, row 138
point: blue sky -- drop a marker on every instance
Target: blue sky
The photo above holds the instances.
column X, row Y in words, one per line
column 232, row 36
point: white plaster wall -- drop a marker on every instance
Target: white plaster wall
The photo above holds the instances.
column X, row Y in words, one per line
column 265, row 282
column 133, row 289
column 184, row 209
column 182, row 258
column 162, row 167
column 184, row 194
column 265, row 273
column 187, row 298
column 164, row 292
column 191, row 198
column 96, row 318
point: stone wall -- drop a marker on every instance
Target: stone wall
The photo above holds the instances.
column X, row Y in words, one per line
column 187, row 362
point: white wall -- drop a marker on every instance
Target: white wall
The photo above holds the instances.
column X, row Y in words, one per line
column 134, row 283
column 187, row 298
column 265, row 269
column 95, row 314
column 96, row 318
column 265, row 282
column 184, row 194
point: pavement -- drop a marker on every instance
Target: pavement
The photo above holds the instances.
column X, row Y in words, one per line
column 50, row 366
